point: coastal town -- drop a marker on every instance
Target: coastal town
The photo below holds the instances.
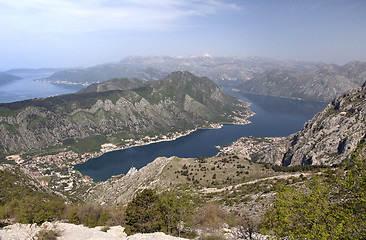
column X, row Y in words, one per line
column 249, row 145
column 57, row 170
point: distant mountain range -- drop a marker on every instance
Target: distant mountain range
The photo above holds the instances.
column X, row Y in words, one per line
column 280, row 78
column 222, row 70
column 328, row 138
column 103, row 73
column 180, row 101
column 322, row 85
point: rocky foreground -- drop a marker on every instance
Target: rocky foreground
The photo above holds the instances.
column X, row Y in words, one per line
column 69, row 231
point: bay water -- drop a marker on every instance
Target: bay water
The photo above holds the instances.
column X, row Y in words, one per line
column 28, row 88
column 275, row 117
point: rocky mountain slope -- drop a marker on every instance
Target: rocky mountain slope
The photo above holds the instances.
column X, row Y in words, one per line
column 326, row 139
column 121, row 189
column 322, row 85
column 177, row 102
column 114, row 84
column 17, row 182
column 7, row 78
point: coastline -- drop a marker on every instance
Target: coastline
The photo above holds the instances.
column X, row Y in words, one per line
column 62, row 82
column 290, row 98
column 176, row 135
column 71, row 179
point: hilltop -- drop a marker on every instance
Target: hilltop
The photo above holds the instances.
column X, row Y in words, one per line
column 264, row 76
column 104, row 72
column 181, row 101
column 114, row 84
column 233, row 196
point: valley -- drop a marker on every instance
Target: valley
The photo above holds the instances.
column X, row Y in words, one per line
column 184, row 119
column 240, row 180
column 256, row 75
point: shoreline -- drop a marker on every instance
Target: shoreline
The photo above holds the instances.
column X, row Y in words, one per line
column 187, row 132
column 71, row 179
column 290, row 98
column 62, row 82
column 243, row 121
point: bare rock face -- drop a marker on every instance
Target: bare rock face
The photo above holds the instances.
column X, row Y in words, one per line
column 69, row 231
column 326, row 139
column 181, row 101
column 121, row 189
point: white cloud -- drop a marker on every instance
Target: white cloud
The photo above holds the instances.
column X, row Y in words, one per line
column 77, row 16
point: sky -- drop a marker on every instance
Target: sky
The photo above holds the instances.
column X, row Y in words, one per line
column 82, row 33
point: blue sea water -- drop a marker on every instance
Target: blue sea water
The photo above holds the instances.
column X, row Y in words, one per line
column 274, row 117
column 28, row 88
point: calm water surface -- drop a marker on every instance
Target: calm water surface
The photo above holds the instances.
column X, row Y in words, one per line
column 27, row 88
column 274, row 117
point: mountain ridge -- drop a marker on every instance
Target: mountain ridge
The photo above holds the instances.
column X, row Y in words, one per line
column 101, row 73
column 117, row 114
column 328, row 138
column 114, row 84
column 222, row 69
column 257, row 75
column 322, row 85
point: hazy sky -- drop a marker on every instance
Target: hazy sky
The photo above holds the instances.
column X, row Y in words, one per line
column 66, row 33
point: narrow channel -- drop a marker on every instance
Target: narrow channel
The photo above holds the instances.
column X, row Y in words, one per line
column 275, row 117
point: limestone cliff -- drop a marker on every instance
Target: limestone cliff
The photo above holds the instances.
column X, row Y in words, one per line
column 178, row 102
column 121, row 189
column 326, row 139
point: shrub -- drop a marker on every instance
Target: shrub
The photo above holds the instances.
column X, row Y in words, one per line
column 142, row 213
column 151, row 212
column 331, row 207
column 46, row 234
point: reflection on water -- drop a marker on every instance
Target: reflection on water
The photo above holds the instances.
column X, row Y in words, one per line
column 274, row 117
column 276, row 105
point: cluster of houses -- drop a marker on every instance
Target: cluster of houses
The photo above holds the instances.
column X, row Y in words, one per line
column 250, row 144
column 56, row 171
